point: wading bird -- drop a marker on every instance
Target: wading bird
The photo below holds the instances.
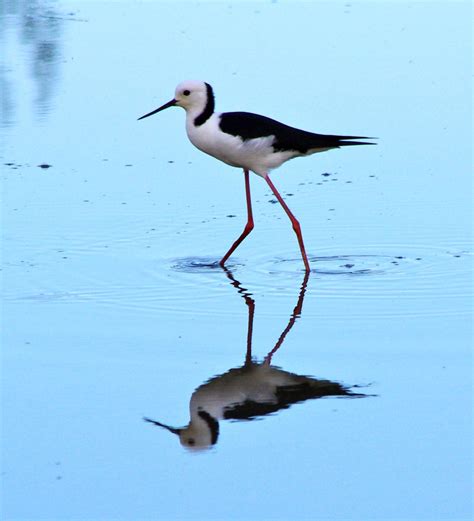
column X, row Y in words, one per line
column 249, row 141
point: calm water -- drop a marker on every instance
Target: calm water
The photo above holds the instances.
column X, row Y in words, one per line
column 345, row 395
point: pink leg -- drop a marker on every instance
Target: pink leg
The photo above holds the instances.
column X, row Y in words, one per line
column 251, row 311
column 248, row 227
column 295, row 315
column 294, row 222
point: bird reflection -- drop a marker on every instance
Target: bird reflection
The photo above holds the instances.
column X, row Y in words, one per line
column 252, row 390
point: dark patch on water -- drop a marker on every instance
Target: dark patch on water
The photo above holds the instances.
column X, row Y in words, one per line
column 193, row 264
column 202, row 264
column 352, row 265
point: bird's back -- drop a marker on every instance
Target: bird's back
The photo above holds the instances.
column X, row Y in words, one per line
column 247, row 126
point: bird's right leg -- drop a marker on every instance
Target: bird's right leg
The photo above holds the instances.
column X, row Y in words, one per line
column 248, row 227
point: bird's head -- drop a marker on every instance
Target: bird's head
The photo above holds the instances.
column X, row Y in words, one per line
column 201, row 433
column 191, row 95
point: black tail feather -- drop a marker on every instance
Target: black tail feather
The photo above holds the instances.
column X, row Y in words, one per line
column 344, row 141
column 348, row 143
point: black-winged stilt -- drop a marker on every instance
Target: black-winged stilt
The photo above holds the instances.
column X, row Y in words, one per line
column 248, row 141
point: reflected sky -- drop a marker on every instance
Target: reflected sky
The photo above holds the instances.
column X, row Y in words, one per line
column 31, row 38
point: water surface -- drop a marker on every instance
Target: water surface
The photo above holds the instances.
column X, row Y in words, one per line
column 115, row 308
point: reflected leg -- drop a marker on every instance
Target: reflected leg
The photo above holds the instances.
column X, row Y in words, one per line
column 294, row 316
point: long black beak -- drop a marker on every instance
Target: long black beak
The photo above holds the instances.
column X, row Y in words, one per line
column 167, row 427
column 171, row 103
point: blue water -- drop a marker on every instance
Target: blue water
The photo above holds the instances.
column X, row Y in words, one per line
column 114, row 308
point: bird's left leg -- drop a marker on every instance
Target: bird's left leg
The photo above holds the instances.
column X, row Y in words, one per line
column 248, row 227
column 294, row 221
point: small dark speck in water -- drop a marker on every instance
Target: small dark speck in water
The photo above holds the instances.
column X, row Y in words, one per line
column 399, row 257
column 128, row 164
column 326, row 174
column 347, row 266
column 347, row 182
column 418, row 258
column 289, row 195
column 230, row 215
column 45, row 165
column 273, row 201
column 8, row 164
column 59, row 477
column 457, row 256
column 331, row 210
column 170, row 162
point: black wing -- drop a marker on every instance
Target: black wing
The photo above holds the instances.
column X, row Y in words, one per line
column 250, row 126
column 287, row 395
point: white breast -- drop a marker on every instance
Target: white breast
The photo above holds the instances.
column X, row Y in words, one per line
column 256, row 155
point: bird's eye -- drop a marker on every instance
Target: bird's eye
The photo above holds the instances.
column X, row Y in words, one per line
column 186, row 92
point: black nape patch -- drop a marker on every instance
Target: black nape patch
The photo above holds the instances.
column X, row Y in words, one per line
column 212, row 423
column 251, row 126
column 208, row 109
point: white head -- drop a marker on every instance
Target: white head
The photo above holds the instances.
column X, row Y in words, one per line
column 195, row 96
column 201, row 433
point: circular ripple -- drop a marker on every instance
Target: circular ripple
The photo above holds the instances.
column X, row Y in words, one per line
column 196, row 264
column 378, row 281
column 420, row 281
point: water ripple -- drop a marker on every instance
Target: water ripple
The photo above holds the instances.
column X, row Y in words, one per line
column 375, row 281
